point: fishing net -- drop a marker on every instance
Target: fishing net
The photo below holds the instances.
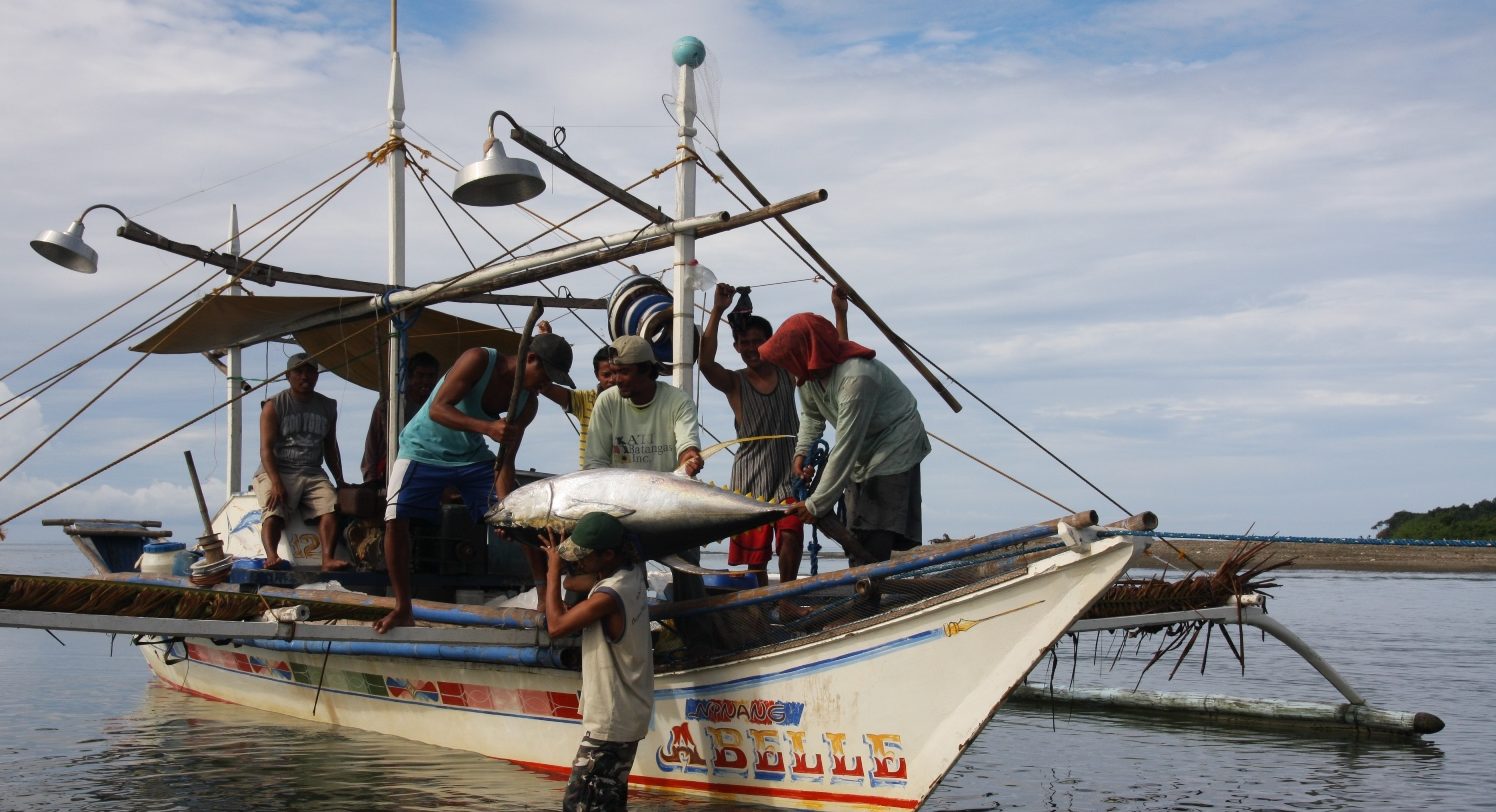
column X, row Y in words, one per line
column 90, row 596
column 762, row 620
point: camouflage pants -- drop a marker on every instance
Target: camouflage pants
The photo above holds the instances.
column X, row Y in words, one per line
column 600, row 776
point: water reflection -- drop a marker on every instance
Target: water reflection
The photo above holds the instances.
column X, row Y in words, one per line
column 178, row 752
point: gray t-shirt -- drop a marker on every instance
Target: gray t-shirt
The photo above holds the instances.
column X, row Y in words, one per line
column 618, row 675
column 304, row 425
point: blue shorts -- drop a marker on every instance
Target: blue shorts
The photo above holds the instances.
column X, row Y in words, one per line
column 416, row 488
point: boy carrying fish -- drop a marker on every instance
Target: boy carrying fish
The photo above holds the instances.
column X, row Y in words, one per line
column 617, row 661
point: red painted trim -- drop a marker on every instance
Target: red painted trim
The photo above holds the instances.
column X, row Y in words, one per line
column 708, row 788
column 773, row 792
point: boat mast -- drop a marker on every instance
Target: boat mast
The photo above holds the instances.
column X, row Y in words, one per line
column 394, row 403
column 688, row 53
column 235, row 376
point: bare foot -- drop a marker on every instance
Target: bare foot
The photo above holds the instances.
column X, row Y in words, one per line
column 276, row 563
column 398, row 617
column 334, row 565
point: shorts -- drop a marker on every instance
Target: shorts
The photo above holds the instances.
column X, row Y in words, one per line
column 889, row 504
column 313, row 493
column 416, row 488
column 755, row 547
column 599, row 776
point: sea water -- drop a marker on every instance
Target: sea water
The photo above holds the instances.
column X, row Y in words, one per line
column 83, row 726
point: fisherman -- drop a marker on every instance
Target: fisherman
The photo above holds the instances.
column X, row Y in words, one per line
column 617, row 661
column 762, row 397
column 645, row 424
column 579, row 402
column 421, row 374
column 880, row 439
column 443, row 446
column 641, row 422
column 298, row 432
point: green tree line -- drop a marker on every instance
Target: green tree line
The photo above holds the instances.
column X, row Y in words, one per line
column 1477, row 521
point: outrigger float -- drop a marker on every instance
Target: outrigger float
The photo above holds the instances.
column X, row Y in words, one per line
column 810, row 708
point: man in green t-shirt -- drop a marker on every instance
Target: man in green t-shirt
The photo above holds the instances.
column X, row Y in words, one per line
column 642, row 422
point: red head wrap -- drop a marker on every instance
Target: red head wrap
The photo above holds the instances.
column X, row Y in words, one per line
column 806, row 344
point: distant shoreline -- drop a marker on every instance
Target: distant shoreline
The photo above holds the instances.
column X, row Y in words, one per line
column 1356, row 557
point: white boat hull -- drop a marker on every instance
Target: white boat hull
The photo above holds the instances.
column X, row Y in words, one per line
column 873, row 718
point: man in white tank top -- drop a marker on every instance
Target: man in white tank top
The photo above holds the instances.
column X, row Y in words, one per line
column 617, row 658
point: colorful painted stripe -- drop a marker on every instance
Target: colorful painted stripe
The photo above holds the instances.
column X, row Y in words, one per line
column 561, row 705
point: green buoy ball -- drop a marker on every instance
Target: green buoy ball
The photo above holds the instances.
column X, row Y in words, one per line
column 688, row 51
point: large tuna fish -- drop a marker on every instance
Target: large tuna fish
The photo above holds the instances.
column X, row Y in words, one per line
column 668, row 512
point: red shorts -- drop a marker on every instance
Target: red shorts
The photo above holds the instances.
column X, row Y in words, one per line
column 755, row 547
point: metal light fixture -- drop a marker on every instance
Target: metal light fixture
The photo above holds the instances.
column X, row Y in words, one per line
column 67, row 248
column 497, row 180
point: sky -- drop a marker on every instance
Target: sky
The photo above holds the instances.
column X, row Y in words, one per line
column 1229, row 262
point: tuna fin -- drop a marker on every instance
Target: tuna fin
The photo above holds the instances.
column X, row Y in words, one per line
column 573, row 511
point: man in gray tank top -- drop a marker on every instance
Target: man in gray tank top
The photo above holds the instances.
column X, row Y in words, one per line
column 762, row 397
column 298, row 431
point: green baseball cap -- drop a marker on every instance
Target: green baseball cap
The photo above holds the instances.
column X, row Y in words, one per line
column 594, row 531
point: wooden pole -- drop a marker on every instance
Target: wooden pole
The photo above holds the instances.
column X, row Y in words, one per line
column 519, row 374
column 852, row 294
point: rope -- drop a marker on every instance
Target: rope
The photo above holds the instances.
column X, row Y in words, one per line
column 290, row 229
column 818, row 274
column 377, row 322
column 1372, row 542
column 1000, row 472
column 162, row 281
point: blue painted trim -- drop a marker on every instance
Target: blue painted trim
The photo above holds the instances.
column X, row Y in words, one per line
column 1307, row 539
column 918, row 638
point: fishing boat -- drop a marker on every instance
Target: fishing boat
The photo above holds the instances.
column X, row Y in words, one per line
column 815, row 710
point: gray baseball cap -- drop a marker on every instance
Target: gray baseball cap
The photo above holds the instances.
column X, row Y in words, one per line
column 301, row 359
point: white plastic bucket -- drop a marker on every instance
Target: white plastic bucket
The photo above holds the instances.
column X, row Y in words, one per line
column 159, row 557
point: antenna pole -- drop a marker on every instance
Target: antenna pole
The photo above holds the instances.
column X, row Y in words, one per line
column 235, row 380
column 394, row 402
column 683, row 326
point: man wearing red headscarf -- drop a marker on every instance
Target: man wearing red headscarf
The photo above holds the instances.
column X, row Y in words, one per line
column 880, row 439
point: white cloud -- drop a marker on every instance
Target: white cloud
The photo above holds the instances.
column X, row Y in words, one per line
column 1218, row 251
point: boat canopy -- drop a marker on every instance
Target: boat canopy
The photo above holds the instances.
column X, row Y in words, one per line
column 352, row 349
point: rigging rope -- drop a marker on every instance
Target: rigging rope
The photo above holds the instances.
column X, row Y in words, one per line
column 170, row 276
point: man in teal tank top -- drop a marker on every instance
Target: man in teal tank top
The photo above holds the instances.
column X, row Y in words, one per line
column 444, row 446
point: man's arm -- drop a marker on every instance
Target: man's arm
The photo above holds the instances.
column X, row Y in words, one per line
column 554, row 392
column 557, row 394
column 717, row 375
column 600, row 431
column 687, row 436
column 460, row 380
column 506, row 480
column 812, row 427
column 561, row 620
column 269, row 434
column 839, row 306
column 855, row 401
column 375, row 463
column 330, row 451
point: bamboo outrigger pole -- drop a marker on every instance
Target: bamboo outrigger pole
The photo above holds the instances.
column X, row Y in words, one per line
column 852, row 294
